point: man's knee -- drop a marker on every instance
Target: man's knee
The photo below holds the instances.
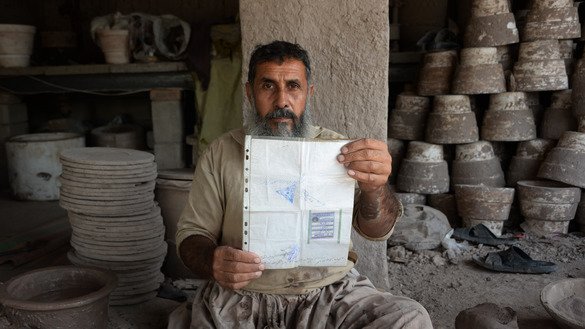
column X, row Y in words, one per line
column 414, row 315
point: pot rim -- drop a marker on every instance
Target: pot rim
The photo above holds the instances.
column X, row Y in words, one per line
column 107, row 277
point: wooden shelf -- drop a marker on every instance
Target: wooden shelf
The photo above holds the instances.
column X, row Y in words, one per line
column 95, row 78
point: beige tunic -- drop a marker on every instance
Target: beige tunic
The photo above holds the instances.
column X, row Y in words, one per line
column 214, row 210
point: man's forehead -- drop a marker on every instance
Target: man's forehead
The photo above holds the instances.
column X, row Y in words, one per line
column 289, row 69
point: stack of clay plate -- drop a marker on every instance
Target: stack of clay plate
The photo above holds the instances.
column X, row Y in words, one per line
column 529, row 156
column 109, row 193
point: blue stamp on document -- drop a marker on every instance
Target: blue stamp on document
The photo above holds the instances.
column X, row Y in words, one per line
column 322, row 225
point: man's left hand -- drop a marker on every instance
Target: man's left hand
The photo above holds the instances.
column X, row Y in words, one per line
column 368, row 162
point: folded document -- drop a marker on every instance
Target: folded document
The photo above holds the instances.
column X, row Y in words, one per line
column 298, row 202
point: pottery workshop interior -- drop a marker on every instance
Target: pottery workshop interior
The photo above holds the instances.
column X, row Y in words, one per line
column 107, row 107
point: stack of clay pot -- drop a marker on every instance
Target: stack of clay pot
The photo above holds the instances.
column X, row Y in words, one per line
column 540, row 67
column 566, row 162
column 115, row 222
column 547, row 206
column 479, row 72
column 437, row 72
column 508, row 119
column 451, row 121
column 423, row 170
column 552, row 19
column 407, row 120
column 491, row 24
column 558, row 118
column 477, row 164
column 485, row 205
column 529, row 156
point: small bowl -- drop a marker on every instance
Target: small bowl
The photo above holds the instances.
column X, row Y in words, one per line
column 556, row 298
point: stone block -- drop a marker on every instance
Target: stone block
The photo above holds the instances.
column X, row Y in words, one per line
column 13, row 113
column 167, row 121
column 169, row 155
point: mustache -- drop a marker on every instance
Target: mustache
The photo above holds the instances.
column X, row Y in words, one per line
column 281, row 112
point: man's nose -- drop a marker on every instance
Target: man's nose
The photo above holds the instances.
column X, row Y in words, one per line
column 282, row 99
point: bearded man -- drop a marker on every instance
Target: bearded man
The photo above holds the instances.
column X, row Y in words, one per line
column 241, row 293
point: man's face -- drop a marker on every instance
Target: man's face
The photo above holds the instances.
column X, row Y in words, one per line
column 279, row 97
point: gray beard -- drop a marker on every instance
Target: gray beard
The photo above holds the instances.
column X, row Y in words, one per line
column 260, row 126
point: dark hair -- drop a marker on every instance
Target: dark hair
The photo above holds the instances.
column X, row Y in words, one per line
column 278, row 51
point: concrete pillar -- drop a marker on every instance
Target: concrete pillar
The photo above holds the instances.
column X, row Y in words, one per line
column 348, row 42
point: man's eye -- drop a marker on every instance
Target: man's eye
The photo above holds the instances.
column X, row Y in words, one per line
column 294, row 86
column 267, row 86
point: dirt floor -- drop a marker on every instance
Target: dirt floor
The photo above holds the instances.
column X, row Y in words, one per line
column 447, row 286
column 444, row 285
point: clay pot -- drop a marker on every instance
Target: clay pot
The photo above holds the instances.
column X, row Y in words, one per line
column 529, row 155
column 451, row 121
column 115, row 45
column 446, row 204
column 58, row 297
column 552, row 20
column 437, row 72
column 476, row 164
column 491, row 24
column 16, row 44
column 126, row 136
column 396, row 149
column 484, row 205
column 540, row 67
column 411, row 198
column 423, row 170
column 407, row 120
column 479, row 72
column 558, row 118
column 566, row 162
column 547, row 206
column 508, row 119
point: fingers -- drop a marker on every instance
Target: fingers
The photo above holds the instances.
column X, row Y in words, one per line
column 371, row 167
column 364, row 150
column 234, row 269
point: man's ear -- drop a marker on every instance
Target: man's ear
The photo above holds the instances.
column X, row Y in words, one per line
column 249, row 92
column 311, row 90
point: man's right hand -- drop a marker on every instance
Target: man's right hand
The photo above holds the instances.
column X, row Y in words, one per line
column 233, row 268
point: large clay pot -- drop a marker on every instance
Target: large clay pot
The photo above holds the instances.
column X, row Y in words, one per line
column 451, row 121
column 566, row 162
column 556, row 20
column 547, row 206
column 476, row 164
column 437, row 72
column 529, row 156
column 58, row 297
column 479, row 72
column 423, row 170
column 491, row 24
column 115, row 44
column 16, row 44
column 508, row 119
column 540, row 67
column 407, row 120
column 484, row 205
